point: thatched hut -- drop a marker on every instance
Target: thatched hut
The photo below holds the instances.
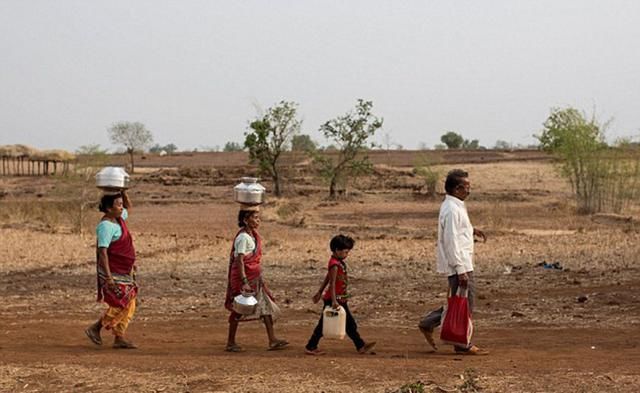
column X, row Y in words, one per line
column 22, row 160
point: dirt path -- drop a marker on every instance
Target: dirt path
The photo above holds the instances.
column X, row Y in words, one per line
column 186, row 355
column 181, row 330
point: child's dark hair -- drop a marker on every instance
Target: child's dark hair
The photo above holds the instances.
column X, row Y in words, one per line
column 243, row 215
column 106, row 202
column 341, row 242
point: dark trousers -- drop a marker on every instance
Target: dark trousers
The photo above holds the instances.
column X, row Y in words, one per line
column 352, row 329
column 432, row 320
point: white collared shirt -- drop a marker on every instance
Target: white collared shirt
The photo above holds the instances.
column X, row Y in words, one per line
column 455, row 238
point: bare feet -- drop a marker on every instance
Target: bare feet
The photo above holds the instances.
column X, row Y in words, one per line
column 428, row 335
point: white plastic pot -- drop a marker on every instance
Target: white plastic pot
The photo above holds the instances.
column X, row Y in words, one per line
column 111, row 177
column 334, row 323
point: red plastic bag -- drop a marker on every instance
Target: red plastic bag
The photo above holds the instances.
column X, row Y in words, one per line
column 457, row 326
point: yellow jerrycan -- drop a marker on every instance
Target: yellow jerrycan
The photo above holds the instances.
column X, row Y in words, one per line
column 334, row 323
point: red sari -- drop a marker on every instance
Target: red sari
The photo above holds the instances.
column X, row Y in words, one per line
column 122, row 257
column 252, row 270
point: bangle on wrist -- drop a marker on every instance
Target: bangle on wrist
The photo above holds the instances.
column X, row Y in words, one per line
column 245, row 280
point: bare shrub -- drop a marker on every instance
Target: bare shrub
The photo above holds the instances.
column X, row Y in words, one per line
column 620, row 178
column 427, row 170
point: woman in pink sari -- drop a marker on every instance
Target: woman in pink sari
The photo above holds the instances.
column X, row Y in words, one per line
column 116, row 258
column 245, row 276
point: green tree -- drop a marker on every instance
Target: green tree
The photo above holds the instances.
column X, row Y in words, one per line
column 270, row 135
column 232, row 146
column 452, row 140
column 170, row 148
column 351, row 134
column 157, row 148
column 503, row 145
column 302, row 142
column 568, row 128
column 578, row 143
column 133, row 136
column 471, row 145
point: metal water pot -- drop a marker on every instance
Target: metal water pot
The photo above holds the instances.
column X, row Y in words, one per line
column 249, row 192
column 245, row 304
column 112, row 178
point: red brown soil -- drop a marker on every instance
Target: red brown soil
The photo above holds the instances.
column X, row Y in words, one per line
column 182, row 350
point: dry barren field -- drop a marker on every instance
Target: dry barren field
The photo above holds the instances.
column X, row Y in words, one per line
column 541, row 337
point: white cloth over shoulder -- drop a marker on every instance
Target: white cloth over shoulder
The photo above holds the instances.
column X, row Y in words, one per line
column 455, row 238
column 244, row 244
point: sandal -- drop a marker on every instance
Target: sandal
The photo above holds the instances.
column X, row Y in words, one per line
column 314, row 352
column 233, row 348
column 122, row 344
column 367, row 347
column 278, row 344
column 95, row 338
column 473, row 351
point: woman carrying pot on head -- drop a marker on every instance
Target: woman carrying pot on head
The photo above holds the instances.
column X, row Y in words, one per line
column 116, row 268
column 245, row 276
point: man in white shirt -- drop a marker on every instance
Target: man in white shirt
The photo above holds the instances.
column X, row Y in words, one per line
column 455, row 252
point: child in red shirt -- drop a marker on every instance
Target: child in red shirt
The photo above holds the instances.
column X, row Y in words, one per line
column 336, row 296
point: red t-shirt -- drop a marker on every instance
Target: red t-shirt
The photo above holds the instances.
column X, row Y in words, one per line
column 342, row 281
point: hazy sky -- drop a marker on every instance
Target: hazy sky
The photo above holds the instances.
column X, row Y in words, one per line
column 194, row 71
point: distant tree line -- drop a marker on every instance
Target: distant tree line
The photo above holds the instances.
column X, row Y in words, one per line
column 604, row 177
column 167, row 149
